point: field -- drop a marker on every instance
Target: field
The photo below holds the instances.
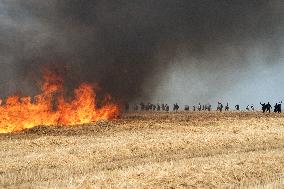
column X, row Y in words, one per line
column 150, row 150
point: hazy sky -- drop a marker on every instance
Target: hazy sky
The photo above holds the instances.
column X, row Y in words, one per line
column 154, row 50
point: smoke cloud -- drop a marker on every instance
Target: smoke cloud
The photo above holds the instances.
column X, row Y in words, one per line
column 162, row 50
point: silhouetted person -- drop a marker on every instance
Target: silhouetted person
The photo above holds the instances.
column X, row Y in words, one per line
column 209, row 107
column 252, row 107
column 167, row 107
column 163, row 107
column 199, row 107
column 193, row 107
column 275, row 107
column 279, row 107
column 237, row 107
column 227, row 107
column 268, row 107
column 158, row 107
column 149, row 106
column 176, row 107
column 247, row 108
column 263, row 107
column 220, row 106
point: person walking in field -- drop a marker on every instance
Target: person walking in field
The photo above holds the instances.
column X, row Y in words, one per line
column 263, row 107
column 227, row 107
column 275, row 107
column 247, row 108
column 220, row 106
column 199, row 107
column 167, row 108
column 209, row 107
column 163, row 107
column 237, row 107
column 279, row 107
column 176, row 107
column 158, row 107
column 268, row 107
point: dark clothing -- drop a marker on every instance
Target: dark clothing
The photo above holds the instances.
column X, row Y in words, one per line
column 237, row 107
column 268, row 107
column 263, row 107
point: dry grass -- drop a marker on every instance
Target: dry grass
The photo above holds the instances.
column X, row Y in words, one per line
column 146, row 150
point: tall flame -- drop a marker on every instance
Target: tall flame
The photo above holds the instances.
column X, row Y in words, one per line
column 51, row 108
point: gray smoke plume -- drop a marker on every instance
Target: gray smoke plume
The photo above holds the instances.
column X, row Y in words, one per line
column 187, row 50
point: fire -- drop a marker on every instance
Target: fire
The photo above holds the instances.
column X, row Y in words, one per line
column 51, row 108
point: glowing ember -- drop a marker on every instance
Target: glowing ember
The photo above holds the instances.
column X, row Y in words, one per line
column 50, row 108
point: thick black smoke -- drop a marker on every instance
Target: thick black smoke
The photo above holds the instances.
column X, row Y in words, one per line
column 121, row 44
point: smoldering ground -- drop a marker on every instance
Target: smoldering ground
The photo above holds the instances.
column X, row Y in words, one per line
column 142, row 49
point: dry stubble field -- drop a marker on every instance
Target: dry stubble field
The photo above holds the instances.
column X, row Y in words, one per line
column 150, row 150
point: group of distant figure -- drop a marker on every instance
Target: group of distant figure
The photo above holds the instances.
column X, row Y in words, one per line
column 266, row 107
column 154, row 107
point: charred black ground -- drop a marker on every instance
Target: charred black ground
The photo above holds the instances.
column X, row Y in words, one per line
column 120, row 44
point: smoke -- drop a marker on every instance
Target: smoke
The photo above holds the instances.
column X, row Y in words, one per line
column 184, row 50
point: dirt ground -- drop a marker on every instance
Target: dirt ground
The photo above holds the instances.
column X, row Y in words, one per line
column 150, row 150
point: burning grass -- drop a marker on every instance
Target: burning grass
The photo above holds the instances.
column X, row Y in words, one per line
column 146, row 150
column 51, row 108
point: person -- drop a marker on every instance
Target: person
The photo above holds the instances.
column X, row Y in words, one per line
column 176, row 107
column 193, row 107
column 252, row 107
column 149, row 106
column 167, row 107
column 220, row 106
column 279, row 107
column 247, row 108
column 199, row 107
column 163, row 107
column 263, row 107
column 227, row 107
column 158, row 107
column 268, row 107
column 275, row 108
column 237, row 107
column 209, row 107
column 154, row 107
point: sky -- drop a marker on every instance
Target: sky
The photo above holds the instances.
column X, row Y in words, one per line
column 184, row 51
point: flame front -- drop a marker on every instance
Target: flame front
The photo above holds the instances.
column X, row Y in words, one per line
column 50, row 107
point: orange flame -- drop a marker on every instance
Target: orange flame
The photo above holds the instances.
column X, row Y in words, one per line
column 50, row 107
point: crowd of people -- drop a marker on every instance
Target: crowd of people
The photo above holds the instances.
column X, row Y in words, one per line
column 265, row 107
